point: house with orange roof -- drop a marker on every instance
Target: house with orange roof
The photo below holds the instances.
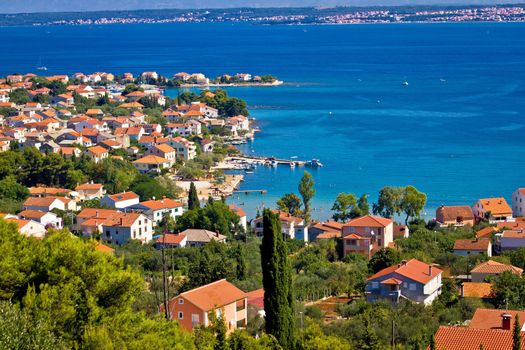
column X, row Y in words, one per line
column 466, row 247
column 492, row 268
column 44, row 204
column 103, row 248
column 123, row 227
column 492, row 209
column 412, row 280
column 486, row 233
column 496, row 319
column 171, row 241
column 454, row 215
column 89, row 191
column 120, row 200
column 132, row 105
column 367, row 234
column 468, row 338
column 150, row 164
column 512, row 239
column 90, row 220
column 292, row 227
column 48, row 219
column 97, row 153
column 70, row 152
column 241, row 214
column 95, row 112
column 325, row 230
column 29, row 228
column 164, row 151
column 185, row 149
column 192, row 308
column 155, row 210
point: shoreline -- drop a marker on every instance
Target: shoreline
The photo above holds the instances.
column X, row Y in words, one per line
column 275, row 83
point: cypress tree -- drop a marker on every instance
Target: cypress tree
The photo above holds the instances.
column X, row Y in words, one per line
column 277, row 283
column 241, row 263
column 193, row 198
column 516, row 336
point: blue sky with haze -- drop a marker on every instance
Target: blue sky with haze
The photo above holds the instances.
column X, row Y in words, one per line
column 13, row 6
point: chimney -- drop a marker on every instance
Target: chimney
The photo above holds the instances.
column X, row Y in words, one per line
column 121, row 221
column 96, row 214
column 430, row 270
column 506, row 321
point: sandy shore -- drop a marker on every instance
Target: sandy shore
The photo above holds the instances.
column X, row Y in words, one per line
column 207, row 188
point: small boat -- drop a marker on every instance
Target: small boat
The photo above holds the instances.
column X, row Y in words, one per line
column 41, row 68
column 294, row 157
column 314, row 163
column 405, row 83
column 274, row 163
column 249, row 171
column 292, row 164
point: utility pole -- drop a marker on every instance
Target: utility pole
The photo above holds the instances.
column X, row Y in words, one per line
column 164, row 277
column 393, row 335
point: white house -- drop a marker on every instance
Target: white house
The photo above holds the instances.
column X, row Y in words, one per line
column 90, row 191
column 512, row 239
column 44, row 204
column 151, row 163
column 291, row 226
column 48, row 219
column 493, row 209
column 185, row 149
column 29, row 228
column 120, row 200
column 518, row 202
column 413, row 280
column 156, row 209
column 125, row 226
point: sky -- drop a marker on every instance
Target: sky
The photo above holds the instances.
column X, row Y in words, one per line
column 15, row 6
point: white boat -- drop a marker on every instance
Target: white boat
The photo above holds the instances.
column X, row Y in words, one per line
column 314, row 163
column 41, row 68
column 274, row 163
column 292, row 164
column 405, row 83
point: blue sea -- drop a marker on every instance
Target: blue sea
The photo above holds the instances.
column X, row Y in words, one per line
column 456, row 132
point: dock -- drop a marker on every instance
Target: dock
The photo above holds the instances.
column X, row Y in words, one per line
column 262, row 160
column 251, row 191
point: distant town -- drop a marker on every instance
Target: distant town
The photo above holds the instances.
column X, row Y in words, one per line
column 284, row 16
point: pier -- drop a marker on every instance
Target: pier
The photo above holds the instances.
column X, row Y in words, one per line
column 251, row 191
column 262, row 160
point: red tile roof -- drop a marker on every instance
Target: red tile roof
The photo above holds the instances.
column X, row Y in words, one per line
column 368, row 221
column 87, row 186
column 477, row 290
column 491, row 318
column 213, row 295
column 123, row 196
column 485, row 232
column 494, row 267
column 171, row 238
column 462, row 338
column 472, row 244
column 451, row 213
column 413, row 269
column 165, row 203
column 256, row 298
column 497, row 206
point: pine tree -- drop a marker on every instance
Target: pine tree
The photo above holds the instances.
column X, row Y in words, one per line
column 432, row 343
column 307, row 191
column 241, row 263
column 277, row 282
column 193, row 198
column 369, row 340
column 516, row 337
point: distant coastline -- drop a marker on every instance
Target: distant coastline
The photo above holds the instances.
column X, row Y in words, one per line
column 279, row 16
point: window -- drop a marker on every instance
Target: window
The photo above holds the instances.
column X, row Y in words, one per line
column 108, row 233
column 412, row 287
column 181, row 301
column 195, row 319
column 351, row 242
column 181, row 315
column 374, row 285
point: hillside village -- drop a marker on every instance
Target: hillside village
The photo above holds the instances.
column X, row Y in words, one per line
column 113, row 160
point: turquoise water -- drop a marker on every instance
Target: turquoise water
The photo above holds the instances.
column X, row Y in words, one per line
column 455, row 132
